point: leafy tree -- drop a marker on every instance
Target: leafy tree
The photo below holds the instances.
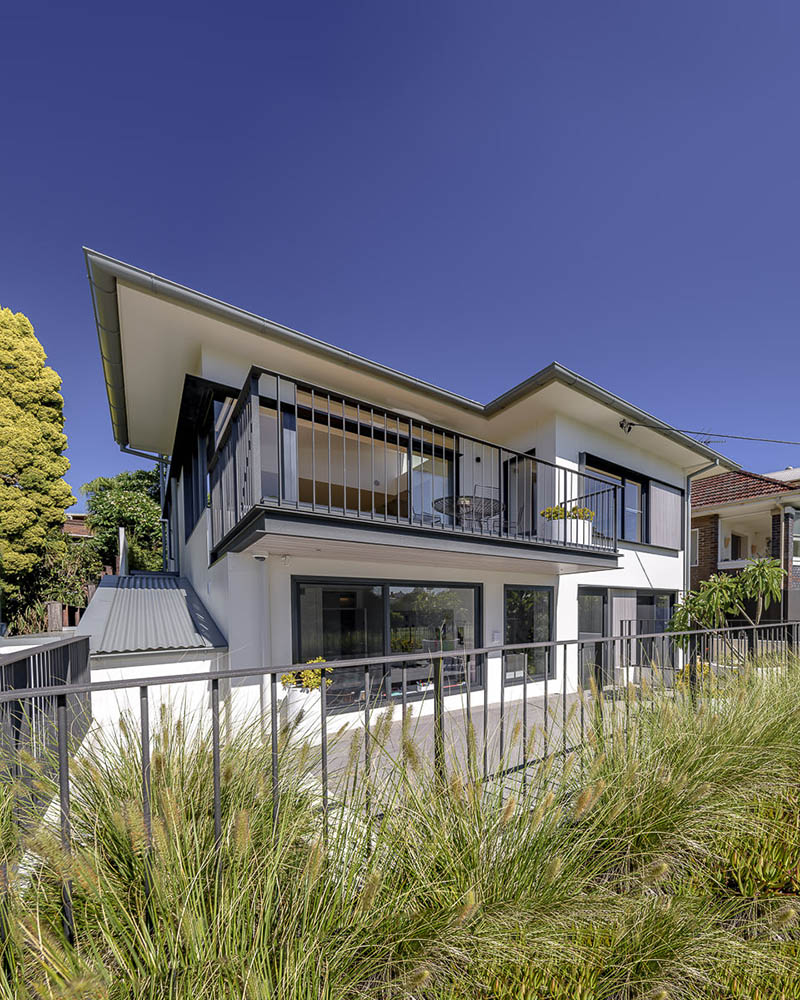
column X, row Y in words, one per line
column 64, row 573
column 128, row 500
column 743, row 595
column 33, row 494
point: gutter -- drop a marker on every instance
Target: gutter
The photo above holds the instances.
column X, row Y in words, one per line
column 687, row 560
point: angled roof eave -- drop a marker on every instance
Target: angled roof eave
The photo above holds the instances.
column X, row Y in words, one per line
column 555, row 372
column 103, row 274
column 104, row 271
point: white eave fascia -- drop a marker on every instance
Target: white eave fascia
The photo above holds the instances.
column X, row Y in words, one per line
column 104, row 271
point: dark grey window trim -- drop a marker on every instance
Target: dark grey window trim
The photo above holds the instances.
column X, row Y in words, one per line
column 625, row 473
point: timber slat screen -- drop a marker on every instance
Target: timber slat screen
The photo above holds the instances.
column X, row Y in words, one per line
column 495, row 728
column 294, row 446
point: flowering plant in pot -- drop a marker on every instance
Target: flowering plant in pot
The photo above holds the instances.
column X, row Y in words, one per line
column 569, row 524
column 303, row 693
column 560, row 513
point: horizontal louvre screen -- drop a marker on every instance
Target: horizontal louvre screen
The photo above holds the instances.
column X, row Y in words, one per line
column 666, row 516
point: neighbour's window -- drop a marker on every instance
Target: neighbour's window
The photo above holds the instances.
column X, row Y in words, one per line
column 695, row 546
column 796, row 539
column 738, row 545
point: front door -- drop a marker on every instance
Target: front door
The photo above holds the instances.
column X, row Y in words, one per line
column 592, row 627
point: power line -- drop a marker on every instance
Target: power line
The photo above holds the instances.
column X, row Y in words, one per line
column 626, row 425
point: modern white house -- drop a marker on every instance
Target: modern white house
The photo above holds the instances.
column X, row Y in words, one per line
column 319, row 504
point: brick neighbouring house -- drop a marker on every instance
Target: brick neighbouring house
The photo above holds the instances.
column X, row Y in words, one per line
column 737, row 516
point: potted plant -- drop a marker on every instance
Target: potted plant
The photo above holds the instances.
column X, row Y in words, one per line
column 571, row 525
column 303, row 694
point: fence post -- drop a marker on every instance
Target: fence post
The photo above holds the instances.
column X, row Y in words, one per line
column 438, row 721
column 55, row 616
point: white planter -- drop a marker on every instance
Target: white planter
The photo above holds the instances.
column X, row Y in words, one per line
column 306, row 703
column 571, row 531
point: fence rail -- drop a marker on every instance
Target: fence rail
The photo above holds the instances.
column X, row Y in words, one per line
column 498, row 723
column 297, row 447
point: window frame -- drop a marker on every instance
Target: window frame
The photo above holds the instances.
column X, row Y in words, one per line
column 596, row 465
column 385, row 583
column 694, row 547
column 551, row 671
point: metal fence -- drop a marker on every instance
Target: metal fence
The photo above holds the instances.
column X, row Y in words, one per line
column 496, row 725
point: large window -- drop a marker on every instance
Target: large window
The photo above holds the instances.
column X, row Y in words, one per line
column 647, row 510
column 339, row 619
column 528, row 618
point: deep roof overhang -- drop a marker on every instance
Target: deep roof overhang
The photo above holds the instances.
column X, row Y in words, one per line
column 104, row 271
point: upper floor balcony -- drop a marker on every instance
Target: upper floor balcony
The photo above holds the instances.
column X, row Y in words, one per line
column 296, row 449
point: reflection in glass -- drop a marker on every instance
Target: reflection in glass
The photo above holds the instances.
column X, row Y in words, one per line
column 528, row 618
column 341, row 623
column 427, row 619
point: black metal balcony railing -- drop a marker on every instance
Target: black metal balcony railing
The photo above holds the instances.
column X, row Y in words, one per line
column 294, row 446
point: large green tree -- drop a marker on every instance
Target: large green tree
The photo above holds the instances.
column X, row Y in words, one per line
column 129, row 500
column 33, row 494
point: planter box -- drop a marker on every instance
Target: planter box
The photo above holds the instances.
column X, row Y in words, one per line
column 306, row 703
column 571, row 531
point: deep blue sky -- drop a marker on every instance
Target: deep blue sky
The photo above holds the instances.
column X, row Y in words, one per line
column 463, row 191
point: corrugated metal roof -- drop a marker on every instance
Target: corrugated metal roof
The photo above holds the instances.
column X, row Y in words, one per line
column 147, row 611
column 731, row 487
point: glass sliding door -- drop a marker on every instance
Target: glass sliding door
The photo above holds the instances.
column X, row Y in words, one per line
column 528, row 618
column 339, row 620
column 430, row 619
column 593, row 656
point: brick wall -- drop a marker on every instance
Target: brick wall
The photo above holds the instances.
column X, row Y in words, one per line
column 707, row 547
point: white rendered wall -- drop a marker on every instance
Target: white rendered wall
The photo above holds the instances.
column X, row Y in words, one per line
column 190, row 700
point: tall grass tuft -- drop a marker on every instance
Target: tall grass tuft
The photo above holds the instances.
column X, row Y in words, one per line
column 661, row 867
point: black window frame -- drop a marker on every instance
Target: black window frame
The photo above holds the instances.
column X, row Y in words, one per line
column 385, row 583
column 593, row 463
column 551, row 671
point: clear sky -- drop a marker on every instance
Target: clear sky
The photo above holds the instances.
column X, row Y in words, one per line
column 463, row 191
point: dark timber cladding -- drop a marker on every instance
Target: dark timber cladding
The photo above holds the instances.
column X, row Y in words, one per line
column 291, row 447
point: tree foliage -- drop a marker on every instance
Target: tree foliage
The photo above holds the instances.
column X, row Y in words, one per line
column 64, row 573
column 33, row 494
column 128, row 500
column 723, row 596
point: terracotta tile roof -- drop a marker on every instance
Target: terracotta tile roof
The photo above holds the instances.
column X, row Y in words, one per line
column 730, row 487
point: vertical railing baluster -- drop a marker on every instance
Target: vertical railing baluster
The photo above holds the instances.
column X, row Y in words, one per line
column 273, row 721
column 470, row 731
column 313, row 453
column 526, row 654
column 545, row 721
column 367, row 745
column 328, row 396
column 323, row 712
column 502, row 709
column 358, row 458
column 67, row 916
column 397, row 463
column 372, row 456
column 144, row 717
column 344, row 459
column 485, row 671
column 563, row 699
column 438, row 720
column 215, row 766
